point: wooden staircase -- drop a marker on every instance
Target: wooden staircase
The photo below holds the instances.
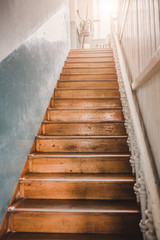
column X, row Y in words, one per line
column 79, row 184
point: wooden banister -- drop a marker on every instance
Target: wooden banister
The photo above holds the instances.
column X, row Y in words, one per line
column 149, row 71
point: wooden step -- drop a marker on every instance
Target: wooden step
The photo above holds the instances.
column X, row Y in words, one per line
column 87, row 103
column 83, row 92
column 89, row 59
column 91, row 55
column 92, row 50
column 51, row 163
column 71, row 236
column 88, row 84
column 77, row 186
column 89, row 64
column 85, row 115
column 102, row 76
column 51, row 128
column 74, row 216
column 82, row 144
column 89, row 70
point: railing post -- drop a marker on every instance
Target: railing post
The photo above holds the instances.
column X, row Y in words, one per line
column 150, row 234
column 143, row 203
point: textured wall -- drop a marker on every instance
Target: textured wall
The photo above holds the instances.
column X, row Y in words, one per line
column 20, row 18
column 27, row 79
column 140, row 38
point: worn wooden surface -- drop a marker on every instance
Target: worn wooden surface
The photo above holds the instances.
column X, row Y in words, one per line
column 79, row 179
column 85, row 103
column 76, row 115
column 83, row 92
column 88, row 70
column 88, row 84
column 69, row 216
column 49, row 163
column 90, row 59
column 83, row 129
column 61, row 236
column 85, row 76
column 92, row 64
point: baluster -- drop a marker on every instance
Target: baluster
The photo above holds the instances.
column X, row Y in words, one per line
column 150, row 234
column 143, row 203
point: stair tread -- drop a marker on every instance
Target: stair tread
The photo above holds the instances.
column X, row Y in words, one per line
column 84, row 109
column 79, row 177
column 81, row 137
column 108, row 206
column 88, row 80
column 102, row 80
column 102, row 61
column 86, row 89
column 61, row 236
column 107, row 73
column 87, row 67
column 82, row 122
column 54, row 154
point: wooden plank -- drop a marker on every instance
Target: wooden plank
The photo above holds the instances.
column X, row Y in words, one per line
column 77, row 186
column 85, row 144
column 69, row 236
column 89, row 64
column 89, row 59
column 94, row 92
column 89, row 70
column 76, row 222
column 79, row 164
column 91, row 55
column 149, row 71
column 88, row 84
column 75, row 77
column 84, row 129
column 76, row 103
column 86, row 115
column 92, row 50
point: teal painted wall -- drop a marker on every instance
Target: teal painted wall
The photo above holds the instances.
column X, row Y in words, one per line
column 27, row 79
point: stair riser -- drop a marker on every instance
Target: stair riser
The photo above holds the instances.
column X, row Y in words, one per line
column 89, row 64
column 90, row 59
column 101, row 93
column 88, row 76
column 68, row 236
column 74, row 223
column 91, row 55
column 91, row 129
column 76, row 190
column 93, row 50
column 82, row 145
column 85, row 104
column 85, row 115
column 88, row 84
column 79, row 165
column 89, row 70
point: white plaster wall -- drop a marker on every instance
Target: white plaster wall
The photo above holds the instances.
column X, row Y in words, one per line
column 140, row 39
column 20, row 18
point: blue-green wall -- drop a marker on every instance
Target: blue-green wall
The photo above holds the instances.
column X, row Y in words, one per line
column 27, row 79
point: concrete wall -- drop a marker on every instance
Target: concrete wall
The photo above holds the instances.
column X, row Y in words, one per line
column 27, row 79
column 20, row 18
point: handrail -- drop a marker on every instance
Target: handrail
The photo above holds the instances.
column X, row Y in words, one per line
column 146, row 186
column 149, row 71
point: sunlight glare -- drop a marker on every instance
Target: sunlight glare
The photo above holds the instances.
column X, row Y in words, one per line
column 107, row 8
